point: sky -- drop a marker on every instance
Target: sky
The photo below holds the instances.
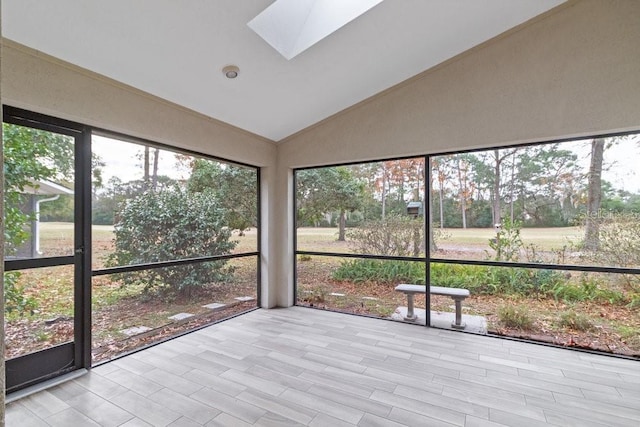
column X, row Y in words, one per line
column 621, row 161
column 124, row 160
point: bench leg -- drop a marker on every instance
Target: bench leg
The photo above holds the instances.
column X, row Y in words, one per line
column 458, row 323
column 410, row 315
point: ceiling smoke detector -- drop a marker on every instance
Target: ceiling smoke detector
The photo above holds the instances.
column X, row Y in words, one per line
column 231, row 71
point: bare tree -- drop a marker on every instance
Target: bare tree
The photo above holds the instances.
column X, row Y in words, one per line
column 146, row 166
column 594, row 195
column 499, row 156
column 462, row 167
column 496, row 187
column 439, row 167
column 154, row 176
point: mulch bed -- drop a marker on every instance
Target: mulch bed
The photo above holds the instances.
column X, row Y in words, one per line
column 315, row 286
column 26, row 335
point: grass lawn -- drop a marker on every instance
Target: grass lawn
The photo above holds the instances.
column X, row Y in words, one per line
column 546, row 238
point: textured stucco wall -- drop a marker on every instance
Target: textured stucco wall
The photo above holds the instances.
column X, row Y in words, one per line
column 573, row 72
column 38, row 82
column 2, row 380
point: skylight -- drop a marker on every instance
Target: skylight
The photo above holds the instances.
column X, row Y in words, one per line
column 293, row 26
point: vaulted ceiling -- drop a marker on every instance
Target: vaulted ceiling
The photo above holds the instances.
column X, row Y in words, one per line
column 176, row 49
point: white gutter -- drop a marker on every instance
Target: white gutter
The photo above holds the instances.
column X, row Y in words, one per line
column 36, row 234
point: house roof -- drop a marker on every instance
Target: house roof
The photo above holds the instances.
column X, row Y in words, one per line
column 46, row 188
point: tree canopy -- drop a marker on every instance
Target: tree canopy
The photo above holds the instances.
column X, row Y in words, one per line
column 234, row 187
column 30, row 156
column 323, row 190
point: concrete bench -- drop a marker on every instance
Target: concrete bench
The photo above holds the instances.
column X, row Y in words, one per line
column 457, row 294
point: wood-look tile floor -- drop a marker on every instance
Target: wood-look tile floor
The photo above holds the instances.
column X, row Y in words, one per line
column 298, row 366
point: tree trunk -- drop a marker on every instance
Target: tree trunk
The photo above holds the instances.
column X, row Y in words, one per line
column 462, row 183
column 462, row 193
column 417, row 241
column 384, row 193
column 513, row 185
column 497, row 217
column 441, row 196
column 146, row 167
column 342, row 225
column 154, row 176
column 594, row 196
column 429, row 208
column 441, row 179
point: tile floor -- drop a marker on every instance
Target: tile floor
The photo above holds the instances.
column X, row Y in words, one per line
column 298, row 366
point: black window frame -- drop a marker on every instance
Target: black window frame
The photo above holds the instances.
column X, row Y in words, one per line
column 428, row 259
column 83, row 236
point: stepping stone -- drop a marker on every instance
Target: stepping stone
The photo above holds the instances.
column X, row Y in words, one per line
column 180, row 316
column 214, row 306
column 370, row 298
column 135, row 330
column 335, row 294
column 244, row 298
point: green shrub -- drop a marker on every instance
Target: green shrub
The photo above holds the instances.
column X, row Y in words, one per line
column 569, row 293
column 618, row 245
column 507, row 244
column 394, row 235
column 363, row 270
column 515, row 317
column 15, row 301
column 460, row 276
column 521, row 281
column 589, row 289
column 575, row 321
column 496, row 280
column 167, row 225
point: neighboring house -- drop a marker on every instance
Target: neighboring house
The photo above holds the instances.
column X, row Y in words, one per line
column 41, row 192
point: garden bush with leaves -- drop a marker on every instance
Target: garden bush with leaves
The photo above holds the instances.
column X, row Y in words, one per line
column 521, row 281
column 507, row 244
column 372, row 270
column 167, row 225
column 459, row 276
column 619, row 245
column 15, row 299
column 588, row 288
column 236, row 189
column 393, row 236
